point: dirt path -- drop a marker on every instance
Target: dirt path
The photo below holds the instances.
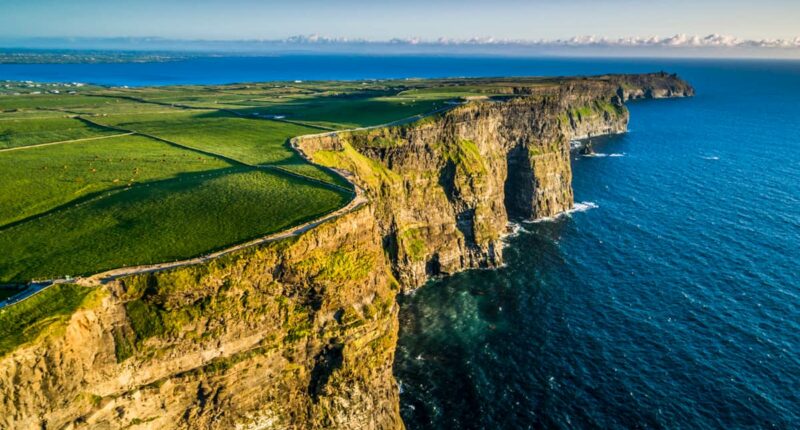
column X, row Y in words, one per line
column 87, row 139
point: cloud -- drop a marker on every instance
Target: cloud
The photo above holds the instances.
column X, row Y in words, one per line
column 676, row 41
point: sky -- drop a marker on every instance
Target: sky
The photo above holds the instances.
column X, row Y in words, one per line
column 676, row 28
column 383, row 20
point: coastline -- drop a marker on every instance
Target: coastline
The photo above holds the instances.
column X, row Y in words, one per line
column 317, row 315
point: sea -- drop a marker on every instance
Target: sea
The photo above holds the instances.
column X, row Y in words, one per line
column 668, row 299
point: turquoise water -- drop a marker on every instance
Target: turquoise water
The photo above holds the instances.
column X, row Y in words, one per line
column 671, row 301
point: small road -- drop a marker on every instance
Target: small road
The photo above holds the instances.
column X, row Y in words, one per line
column 32, row 289
column 87, row 139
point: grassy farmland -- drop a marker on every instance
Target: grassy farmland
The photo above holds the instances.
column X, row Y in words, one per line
column 16, row 132
column 100, row 177
column 162, row 221
column 62, row 174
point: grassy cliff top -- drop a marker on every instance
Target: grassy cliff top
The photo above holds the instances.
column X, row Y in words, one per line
column 93, row 178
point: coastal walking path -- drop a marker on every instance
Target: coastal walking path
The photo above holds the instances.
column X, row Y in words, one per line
column 109, row 275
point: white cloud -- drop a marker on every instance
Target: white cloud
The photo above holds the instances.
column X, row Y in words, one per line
column 676, row 41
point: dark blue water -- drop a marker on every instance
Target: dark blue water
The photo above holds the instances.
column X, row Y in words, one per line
column 672, row 302
column 304, row 67
column 220, row 70
column 675, row 303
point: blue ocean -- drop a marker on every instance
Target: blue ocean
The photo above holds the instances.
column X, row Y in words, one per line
column 669, row 299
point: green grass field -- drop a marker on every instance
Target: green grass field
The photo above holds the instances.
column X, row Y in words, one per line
column 21, row 132
column 162, row 221
column 342, row 113
column 250, row 141
column 37, row 180
column 204, row 168
column 247, row 140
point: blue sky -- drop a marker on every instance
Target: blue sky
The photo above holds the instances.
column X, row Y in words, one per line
column 381, row 20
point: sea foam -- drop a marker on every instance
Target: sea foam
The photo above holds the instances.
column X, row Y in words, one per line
column 601, row 155
column 579, row 207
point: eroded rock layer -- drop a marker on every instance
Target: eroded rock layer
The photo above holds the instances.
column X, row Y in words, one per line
column 301, row 333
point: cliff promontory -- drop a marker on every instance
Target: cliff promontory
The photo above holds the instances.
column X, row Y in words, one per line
column 301, row 333
column 445, row 187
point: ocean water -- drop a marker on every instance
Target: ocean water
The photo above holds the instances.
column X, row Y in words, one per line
column 670, row 299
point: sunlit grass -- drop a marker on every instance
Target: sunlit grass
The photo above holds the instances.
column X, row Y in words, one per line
column 170, row 220
column 37, row 180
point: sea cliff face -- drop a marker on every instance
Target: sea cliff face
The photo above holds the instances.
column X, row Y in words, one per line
column 445, row 187
column 301, row 333
column 296, row 334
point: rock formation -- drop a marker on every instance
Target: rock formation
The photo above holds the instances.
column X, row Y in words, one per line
column 301, row 333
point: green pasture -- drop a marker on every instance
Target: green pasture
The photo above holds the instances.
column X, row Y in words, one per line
column 37, row 180
column 342, row 112
column 162, row 221
column 251, row 141
column 23, row 132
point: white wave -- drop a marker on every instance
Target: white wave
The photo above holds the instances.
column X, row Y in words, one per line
column 601, row 155
column 582, row 207
column 578, row 207
column 710, row 157
column 513, row 229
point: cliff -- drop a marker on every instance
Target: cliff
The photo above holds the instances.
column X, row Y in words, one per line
column 295, row 334
column 444, row 188
column 301, row 333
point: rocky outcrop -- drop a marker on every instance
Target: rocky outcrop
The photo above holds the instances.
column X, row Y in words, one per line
column 301, row 333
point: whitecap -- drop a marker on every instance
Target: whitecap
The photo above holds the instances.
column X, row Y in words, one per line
column 601, row 155
column 583, row 207
column 710, row 157
column 578, row 207
column 513, row 229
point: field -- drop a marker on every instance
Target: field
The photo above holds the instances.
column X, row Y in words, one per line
column 38, row 180
column 162, row 221
column 16, row 132
column 94, row 178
